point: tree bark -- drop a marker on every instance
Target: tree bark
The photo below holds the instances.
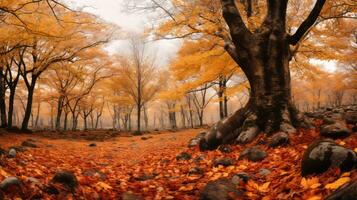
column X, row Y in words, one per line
column 11, row 106
column 264, row 58
column 2, row 99
column 59, row 112
column 28, row 109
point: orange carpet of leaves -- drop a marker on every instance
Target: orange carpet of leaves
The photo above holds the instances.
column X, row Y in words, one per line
column 124, row 159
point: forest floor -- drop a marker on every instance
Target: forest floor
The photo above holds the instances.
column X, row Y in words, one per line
column 146, row 166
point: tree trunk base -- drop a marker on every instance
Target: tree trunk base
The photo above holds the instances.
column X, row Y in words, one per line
column 247, row 123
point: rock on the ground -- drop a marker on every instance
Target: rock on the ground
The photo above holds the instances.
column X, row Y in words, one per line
column 354, row 128
column 92, row 145
column 28, row 143
column 279, row 139
column 221, row 189
column 12, row 153
column 2, row 151
column 145, row 177
column 323, row 154
column 225, row 148
column 223, row 161
column 335, row 130
column 183, row 156
column 347, row 192
column 195, row 171
column 248, row 135
column 67, row 179
column 253, row 154
column 264, row 172
column 195, row 141
column 10, row 182
column 95, row 173
column 131, row 196
column 239, row 177
column 351, row 117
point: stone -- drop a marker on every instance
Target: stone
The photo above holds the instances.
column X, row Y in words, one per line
column 225, row 149
column 264, row 172
column 145, row 177
column 346, row 192
column 243, row 176
column 10, row 182
column 183, row 156
column 279, row 139
column 323, row 154
column 354, row 128
column 253, row 154
column 223, row 161
column 248, row 135
column 92, row 145
column 12, row 153
column 199, row 158
column 131, row 196
column 351, row 117
column 67, row 179
column 95, row 173
column 28, row 143
column 34, row 181
column 195, row 141
column 195, row 171
column 327, row 121
column 2, row 151
column 336, row 130
column 221, row 189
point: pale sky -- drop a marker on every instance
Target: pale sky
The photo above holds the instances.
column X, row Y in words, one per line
column 113, row 11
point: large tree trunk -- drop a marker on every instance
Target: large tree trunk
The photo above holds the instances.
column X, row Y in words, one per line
column 263, row 56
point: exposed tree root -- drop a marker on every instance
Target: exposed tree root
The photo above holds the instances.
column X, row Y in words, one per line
column 247, row 123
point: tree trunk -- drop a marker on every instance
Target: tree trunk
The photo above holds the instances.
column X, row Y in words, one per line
column 265, row 62
column 37, row 114
column 11, row 106
column 2, row 100
column 65, row 121
column 59, row 112
column 28, row 109
column 138, row 130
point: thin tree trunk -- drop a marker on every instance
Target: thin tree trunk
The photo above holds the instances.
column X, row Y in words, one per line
column 59, row 112
column 11, row 106
column 28, row 109
column 2, row 100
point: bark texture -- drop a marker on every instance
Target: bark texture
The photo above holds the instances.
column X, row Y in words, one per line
column 263, row 56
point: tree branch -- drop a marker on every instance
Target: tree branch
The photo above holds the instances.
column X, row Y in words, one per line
column 308, row 23
column 238, row 29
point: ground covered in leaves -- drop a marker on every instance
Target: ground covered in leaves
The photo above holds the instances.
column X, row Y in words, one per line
column 146, row 166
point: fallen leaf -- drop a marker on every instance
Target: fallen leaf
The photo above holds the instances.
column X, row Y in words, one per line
column 338, row 183
column 186, row 188
column 103, row 186
column 4, row 173
column 311, row 183
column 264, row 187
column 314, row 198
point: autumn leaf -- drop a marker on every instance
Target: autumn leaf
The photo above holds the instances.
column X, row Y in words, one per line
column 186, row 188
column 312, row 183
column 103, row 186
column 4, row 173
column 338, row 183
column 316, row 197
